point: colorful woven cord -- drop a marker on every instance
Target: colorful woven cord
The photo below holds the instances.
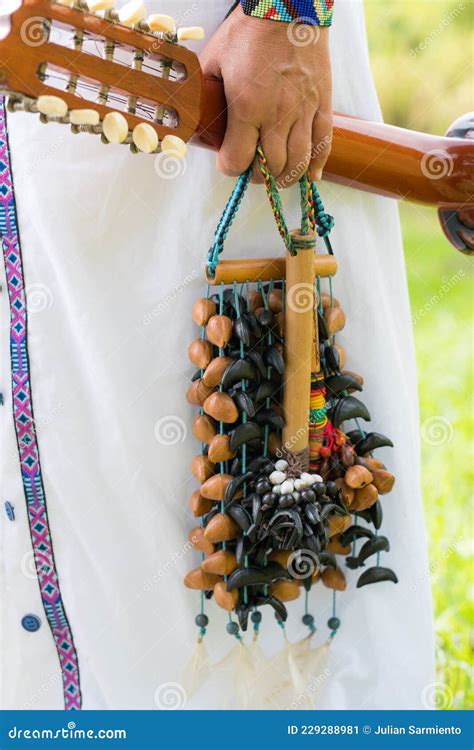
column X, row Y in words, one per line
column 313, row 12
column 275, row 200
column 318, row 420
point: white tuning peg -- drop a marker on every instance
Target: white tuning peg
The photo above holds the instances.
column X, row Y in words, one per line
column 190, row 33
column 67, row 3
column 160, row 22
column 53, row 106
column 132, row 13
column 84, row 117
column 145, row 138
column 115, row 127
column 96, row 5
column 175, row 146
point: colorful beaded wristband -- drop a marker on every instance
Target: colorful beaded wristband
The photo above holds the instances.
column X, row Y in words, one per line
column 315, row 12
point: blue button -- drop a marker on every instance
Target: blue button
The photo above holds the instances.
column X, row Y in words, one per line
column 31, row 623
column 10, row 511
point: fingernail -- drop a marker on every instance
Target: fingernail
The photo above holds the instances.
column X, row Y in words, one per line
column 317, row 175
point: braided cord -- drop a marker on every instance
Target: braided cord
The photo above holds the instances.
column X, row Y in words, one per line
column 227, row 219
column 275, row 200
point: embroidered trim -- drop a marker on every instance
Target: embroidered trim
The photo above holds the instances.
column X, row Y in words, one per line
column 314, row 12
column 26, row 433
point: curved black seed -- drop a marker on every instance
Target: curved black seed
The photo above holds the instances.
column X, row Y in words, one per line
column 280, row 609
column 348, row 407
column 242, row 330
column 273, row 358
column 332, row 358
column 271, row 418
column 243, row 433
column 240, row 516
column 355, row 532
column 255, row 358
column 322, row 327
column 337, row 384
column 372, row 441
column 377, row 574
column 252, row 323
column 256, row 576
column 372, row 547
column 244, row 403
column 264, row 391
column 238, row 370
column 327, row 558
column 234, row 485
column 376, row 514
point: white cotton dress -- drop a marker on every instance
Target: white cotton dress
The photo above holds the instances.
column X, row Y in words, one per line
column 113, row 260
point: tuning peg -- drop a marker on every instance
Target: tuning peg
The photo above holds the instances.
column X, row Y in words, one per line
column 145, row 138
column 132, row 13
column 160, row 22
column 115, row 127
column 67, row 3
column 190, row 33
column 96, row 5
column 84, row 117
column 53, row 106
column 175, row 146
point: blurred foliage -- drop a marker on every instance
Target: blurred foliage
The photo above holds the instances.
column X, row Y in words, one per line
column 421, row 55
column 440, row 283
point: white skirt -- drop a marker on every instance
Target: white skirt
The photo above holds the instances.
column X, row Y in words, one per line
column 113, row 259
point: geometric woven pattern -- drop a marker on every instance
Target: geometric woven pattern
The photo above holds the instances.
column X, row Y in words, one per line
column 26, row 434
column 316, row 12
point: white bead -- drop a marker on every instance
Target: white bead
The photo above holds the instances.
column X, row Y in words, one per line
column 132, row 13
column 175, row 146
column 277, row 489
column 145, row 138
column 53, row 106
column 300, row 484
column 160, row 22
column 296, row 496
column 96, row 5
column 287, row 487
column 281, row 465
column 115, row 127
column 191, row 33
column 277, row 477
column 309, row 479
column 84, row 117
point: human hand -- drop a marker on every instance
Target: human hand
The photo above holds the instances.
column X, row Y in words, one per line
column 278, row 90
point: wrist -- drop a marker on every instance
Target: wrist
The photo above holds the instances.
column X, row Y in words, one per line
column 312, row 12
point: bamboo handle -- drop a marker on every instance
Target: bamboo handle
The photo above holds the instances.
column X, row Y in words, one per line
column 265, row 269
column 299, row 343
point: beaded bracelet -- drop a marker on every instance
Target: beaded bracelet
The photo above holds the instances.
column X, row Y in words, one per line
column 314, row 12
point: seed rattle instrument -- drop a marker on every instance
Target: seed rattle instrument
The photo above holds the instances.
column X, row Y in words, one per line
column 127, row 78
column 289, row 488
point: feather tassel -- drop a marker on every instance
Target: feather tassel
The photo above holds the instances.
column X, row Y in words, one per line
column 197, row 669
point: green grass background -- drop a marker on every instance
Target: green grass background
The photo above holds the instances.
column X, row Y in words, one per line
column 427, row 89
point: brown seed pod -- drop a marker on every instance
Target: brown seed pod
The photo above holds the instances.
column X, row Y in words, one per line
column 365, row 498
column 202, row 468
column 214, row 488
column 219, row 330
column 221, row 407
column 334, row 578
column 225, row 599
column 274, row 444
column 357, row 477
column 383, row 481
column 285, row 591
column 200, row 580
column 203, row 309
column 199, row 505
column 204, row 428
column 337, row 548
column 342, row 355
column 199, row 541
column 223, row 563
column 281, row 556
column 275, row 300
column 327, row 302
column 219, row 449
column 280, row 318
column 215, row 370
column 347, row 455
column 198, row 392
column 255, row 300
column 347, row 492
column 221, row 528
column 338, row 524
column 335, row 319
column 370, row 463
column 200, row 352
